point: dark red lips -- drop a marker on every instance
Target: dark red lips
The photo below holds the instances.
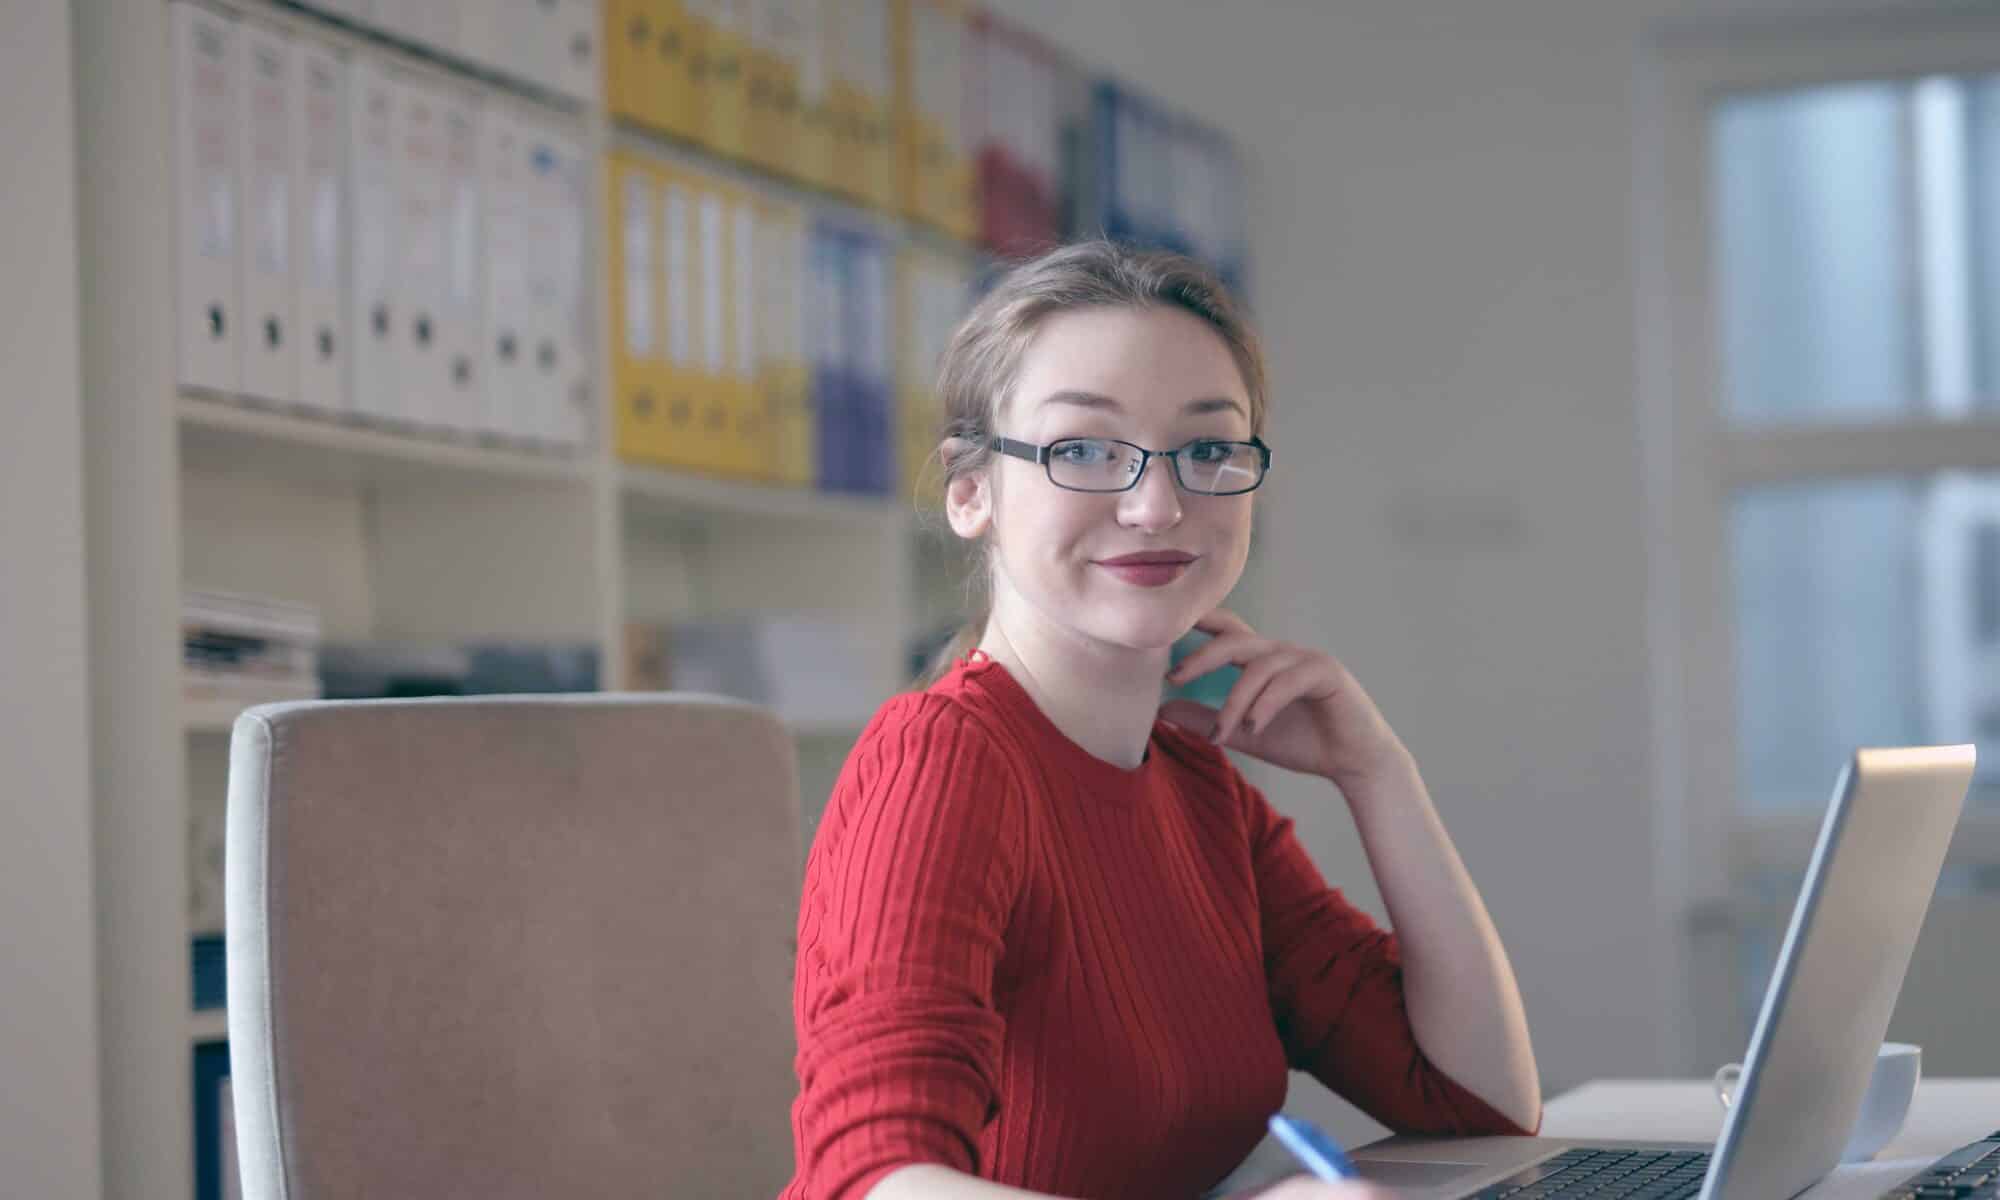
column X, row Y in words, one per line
column 1148, row 568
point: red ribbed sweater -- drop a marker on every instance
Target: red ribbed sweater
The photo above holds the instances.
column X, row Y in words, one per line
column 1026, row 963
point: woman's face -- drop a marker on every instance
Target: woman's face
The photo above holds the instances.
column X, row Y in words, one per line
column 1156, row 377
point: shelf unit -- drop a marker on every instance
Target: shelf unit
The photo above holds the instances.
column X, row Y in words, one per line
column 388, row 534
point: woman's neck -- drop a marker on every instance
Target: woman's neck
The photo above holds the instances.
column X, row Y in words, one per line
column 1103, row 698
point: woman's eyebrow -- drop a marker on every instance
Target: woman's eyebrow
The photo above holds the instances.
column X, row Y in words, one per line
column 1082, row 399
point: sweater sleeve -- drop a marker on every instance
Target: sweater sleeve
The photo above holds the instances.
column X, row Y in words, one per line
column 907, row 896
column 1336, row 983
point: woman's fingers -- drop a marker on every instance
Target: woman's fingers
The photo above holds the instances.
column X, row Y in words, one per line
column 1257, row 675
column 1303, row 676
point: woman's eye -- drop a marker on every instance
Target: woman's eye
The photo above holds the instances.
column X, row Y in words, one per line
column 1210, row 453
column 1080, row 452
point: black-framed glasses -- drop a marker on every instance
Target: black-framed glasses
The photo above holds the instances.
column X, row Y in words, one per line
column 1207, row 466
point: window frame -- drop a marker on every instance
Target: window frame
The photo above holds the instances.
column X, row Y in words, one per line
column 1694, row 461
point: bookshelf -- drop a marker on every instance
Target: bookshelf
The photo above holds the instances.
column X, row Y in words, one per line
column 387, row 533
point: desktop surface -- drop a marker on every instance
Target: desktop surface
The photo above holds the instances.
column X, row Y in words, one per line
column 1946, row 1114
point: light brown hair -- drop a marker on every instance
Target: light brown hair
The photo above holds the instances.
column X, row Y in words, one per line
column 983, row 361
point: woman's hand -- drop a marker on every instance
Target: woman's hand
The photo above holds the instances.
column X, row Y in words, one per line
column 1294, row 707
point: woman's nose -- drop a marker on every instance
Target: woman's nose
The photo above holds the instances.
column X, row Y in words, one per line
column 1154, row 503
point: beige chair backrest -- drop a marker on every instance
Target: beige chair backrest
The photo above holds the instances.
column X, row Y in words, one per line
column 512, row 947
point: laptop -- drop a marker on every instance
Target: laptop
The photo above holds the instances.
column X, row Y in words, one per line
column 1876, row 864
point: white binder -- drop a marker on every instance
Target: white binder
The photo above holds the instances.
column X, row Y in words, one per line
column 418, row 277
column 554, row 408
column 535, row 410
column 266, row 363
column 551, row 44
column 532, row 37
column 504, row 309
column 575, row 57
column 205, row 199
column 576, row 406
column 319, row 227
column 373, row 315
column 461, row 381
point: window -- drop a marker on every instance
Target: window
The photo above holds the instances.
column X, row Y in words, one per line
column 1822, row 291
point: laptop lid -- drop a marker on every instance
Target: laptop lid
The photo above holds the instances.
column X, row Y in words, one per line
column 1869, row 883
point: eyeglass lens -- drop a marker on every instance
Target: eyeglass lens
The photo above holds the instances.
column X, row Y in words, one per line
column 1102, row 465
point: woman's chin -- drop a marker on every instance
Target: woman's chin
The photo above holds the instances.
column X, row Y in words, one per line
column 1149, row 634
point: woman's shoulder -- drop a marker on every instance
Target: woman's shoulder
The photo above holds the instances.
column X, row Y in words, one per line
column 932, row 758
column 959, row 704
column 939, row 709
column 950, row 726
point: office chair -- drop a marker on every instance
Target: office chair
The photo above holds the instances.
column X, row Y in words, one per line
column 512, row 947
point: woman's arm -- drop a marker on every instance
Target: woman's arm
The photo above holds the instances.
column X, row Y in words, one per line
column 1464, row 1004
column 1299, row 708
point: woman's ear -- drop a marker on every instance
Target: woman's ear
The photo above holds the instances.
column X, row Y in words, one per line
column 968, row 498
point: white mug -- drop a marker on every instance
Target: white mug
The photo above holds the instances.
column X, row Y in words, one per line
column 1898, row 1066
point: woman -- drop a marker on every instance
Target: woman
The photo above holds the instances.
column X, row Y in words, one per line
column 1051, row 943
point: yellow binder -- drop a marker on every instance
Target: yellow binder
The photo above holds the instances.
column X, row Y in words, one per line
column 784, row 47
column 942, row 44
column 714, row 412
column 812, row 158
column 760, row 84
column 747, row 452
column 628, row 42
column 720, row 37
column 860, row 87
column 681, row 443
column 670, row 87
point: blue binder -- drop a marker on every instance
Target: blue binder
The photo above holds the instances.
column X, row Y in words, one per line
column 828, row 324
column 211, row 1071
column 1136, row 146
column 871, row 364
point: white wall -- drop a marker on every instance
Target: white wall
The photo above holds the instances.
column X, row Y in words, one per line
column 1443, row 267
column 48, row 1038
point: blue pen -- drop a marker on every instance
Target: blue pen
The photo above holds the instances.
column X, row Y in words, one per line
column 1317, row 1151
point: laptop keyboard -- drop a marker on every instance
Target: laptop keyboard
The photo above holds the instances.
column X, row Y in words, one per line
column 1611, row 1174
column 1971, row 1172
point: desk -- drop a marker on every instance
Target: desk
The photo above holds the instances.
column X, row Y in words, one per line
column 1946, row 1114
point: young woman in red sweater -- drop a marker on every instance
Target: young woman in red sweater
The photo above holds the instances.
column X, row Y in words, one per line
column 1051, row 943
